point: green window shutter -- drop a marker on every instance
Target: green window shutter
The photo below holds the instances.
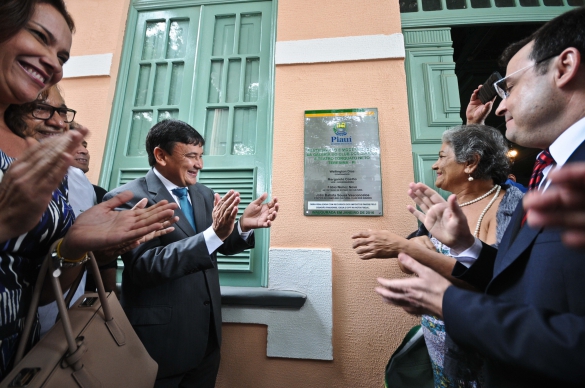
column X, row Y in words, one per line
column 232, row 102
column 159, row 74
column 210, row 65
column 243, row 181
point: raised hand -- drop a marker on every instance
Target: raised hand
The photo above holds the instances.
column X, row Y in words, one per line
column 381, row 244
column 477, row 112
column 106, row 256
column 27, row 187
column 561, row 205
column 258, row 214
column 422, row 294
column 224, row 213
column 102, row 227
column 443, row 219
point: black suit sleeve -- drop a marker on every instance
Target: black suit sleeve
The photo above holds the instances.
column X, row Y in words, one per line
column 518, row 335
column 480, row 273
column 99, row 193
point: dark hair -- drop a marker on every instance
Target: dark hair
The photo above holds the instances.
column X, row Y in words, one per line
column 487, row 142
column 168, row 132
column 564, row 31
column 15, row 14
column 511, row 50
column 14, row 114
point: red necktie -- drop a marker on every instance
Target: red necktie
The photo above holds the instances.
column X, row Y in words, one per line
column 543, row 160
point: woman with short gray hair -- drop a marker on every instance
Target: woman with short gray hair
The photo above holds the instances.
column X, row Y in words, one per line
column 472, row 164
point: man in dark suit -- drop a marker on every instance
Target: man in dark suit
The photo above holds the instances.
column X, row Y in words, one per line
column 529, row 320
column 170, row 285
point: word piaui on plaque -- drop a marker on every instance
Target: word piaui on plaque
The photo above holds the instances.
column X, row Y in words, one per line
column 342, row 163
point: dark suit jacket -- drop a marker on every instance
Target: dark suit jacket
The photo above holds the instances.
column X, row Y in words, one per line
column 530, row 321
column 170, row 285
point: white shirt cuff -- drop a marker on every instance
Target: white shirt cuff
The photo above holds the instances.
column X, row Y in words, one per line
column 244, row 235
column 470, row 255
column 211, row 240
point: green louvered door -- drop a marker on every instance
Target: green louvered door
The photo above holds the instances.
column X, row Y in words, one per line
column 231, row 108
column 211, row 66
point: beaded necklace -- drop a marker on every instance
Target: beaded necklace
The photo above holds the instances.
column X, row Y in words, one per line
column 476, row 233
column 497, row 188
column 479, row 198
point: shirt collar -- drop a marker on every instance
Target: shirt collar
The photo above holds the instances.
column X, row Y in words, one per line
column 564, row 146
column 167, row 183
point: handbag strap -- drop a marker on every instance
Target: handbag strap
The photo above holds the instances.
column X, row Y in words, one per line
column 74, row 287
column 49, row 265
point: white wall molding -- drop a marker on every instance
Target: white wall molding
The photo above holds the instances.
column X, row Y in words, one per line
column 305, row 333
column 350, row 48
column 88, row 66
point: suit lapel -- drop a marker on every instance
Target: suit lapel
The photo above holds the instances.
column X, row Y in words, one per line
column 525, row 237
column 198, row 208
column 519, row 238
column 514, row 226
column 159, row 193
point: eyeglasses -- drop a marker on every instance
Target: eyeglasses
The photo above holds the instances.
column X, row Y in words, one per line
column 45, row 112
column 500, row 85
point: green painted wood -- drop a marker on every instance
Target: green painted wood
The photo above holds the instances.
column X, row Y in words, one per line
column 514, row 12
column 242, row 180
column 424, row 156
column 233, row 108
column 433, row 95
column 159, row 74
column 209, row 64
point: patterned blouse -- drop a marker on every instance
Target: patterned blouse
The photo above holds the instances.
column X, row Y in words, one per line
column 20, row 261
column 434, row 328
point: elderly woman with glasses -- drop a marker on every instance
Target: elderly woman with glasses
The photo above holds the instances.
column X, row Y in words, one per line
column 473, row 165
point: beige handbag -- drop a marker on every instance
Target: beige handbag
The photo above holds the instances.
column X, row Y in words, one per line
column 95, row 346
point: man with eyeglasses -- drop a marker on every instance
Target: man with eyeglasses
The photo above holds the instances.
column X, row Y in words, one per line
column 529, row 319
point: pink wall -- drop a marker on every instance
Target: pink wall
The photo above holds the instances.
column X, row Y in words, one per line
column 100, row 28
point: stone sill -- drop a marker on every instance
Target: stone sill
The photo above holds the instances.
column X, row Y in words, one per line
column 261, row 297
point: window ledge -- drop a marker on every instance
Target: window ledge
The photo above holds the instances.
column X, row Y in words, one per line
column 262, row 297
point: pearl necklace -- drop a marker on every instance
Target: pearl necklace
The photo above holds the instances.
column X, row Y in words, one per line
column 476, row 233
column 480, row 198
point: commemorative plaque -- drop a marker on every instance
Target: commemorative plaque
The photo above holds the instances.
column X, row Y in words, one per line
column 342, row 163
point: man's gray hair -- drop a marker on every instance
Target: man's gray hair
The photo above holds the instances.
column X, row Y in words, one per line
column 487, row 142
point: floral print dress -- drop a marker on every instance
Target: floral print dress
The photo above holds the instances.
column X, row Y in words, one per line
column 20, row 261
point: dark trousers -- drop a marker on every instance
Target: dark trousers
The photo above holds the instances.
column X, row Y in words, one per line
column 202, row 376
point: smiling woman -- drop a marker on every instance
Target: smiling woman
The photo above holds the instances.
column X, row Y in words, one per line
column 35, row 44
column 35, row 39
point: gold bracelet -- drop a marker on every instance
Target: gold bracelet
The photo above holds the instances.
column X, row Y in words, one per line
column 80, row 260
